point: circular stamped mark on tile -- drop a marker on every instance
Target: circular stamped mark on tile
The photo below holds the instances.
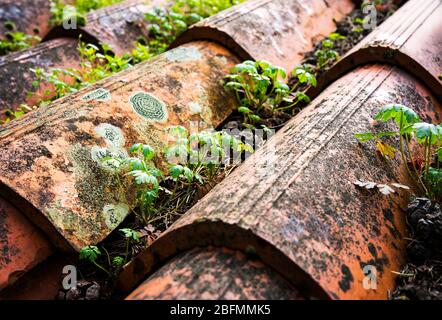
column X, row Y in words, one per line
column 149, row 107
column 99, row 94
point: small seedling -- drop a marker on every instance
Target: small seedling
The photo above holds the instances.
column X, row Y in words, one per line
column 261, row 90
column 15, row 114
column 203, row 8
column 118, row 262
column 411, row 131
column 77, row 9
column 91, row 254
column 15, row 40
column 131, row 236
column 98, row 63
column 199, row 157
column 165, row 25
column 94, row 66
column 327, row 55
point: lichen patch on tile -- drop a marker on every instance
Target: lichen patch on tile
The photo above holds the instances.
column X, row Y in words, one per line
column 99, row 94
column 183, row 54
column 149, row 107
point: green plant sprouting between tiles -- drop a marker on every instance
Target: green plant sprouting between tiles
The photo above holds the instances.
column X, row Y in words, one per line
column 262, row 92
column 15, row 40
column 78, row 9
column 159, row 194
column 97, row 63
column 413, row 134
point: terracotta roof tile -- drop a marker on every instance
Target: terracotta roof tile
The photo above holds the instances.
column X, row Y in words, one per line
column 411, row 39
column 27, row 15
column 215, row 274
column 278, row 31
column 22, row 246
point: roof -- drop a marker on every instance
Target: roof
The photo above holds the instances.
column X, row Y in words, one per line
column 292, row 203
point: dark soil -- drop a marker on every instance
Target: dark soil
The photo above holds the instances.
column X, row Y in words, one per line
column 353, row 32
column 421, row 278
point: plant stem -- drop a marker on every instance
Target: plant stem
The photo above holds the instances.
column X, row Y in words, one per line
column 418, row 174
column 127, row 250
column 108, row 257
column 288, row 107
column 102, row 268
column 401, row 146
column 294, row 87
column 427, row 169
column 426, row 158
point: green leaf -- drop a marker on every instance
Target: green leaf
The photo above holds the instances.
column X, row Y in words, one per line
column 301, row 96
column 364, row 137
column 142, row 177
column 396, row 112
column 90, row 253
column 199, row 178
column 387, row 134
column 435, row 176
column 426, row 131
column 244, row 110
column 281, row 85
column 281, row 72
column 188, row 174
column 150, row 195
column 336, row 36
column 304, row 76
column 131, row 234
column 118, row 261
column 327, row 43
column 178, row 131
column 135, row 164
column 255, row 118
column 135, row 148
column 177, row 151
column 176, row 171
column 234, row 85
column 263, row 64
column 247, row 67
column 148, row 152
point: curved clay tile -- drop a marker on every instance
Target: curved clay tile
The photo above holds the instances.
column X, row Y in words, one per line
column 17, row 77
column 42, row 282
column 411, row 39
column 278, row 31
column 295, row 203
column 119, row 26
column 47, row 167
column 27, row 15
column 215, row 274
column 22, row 246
